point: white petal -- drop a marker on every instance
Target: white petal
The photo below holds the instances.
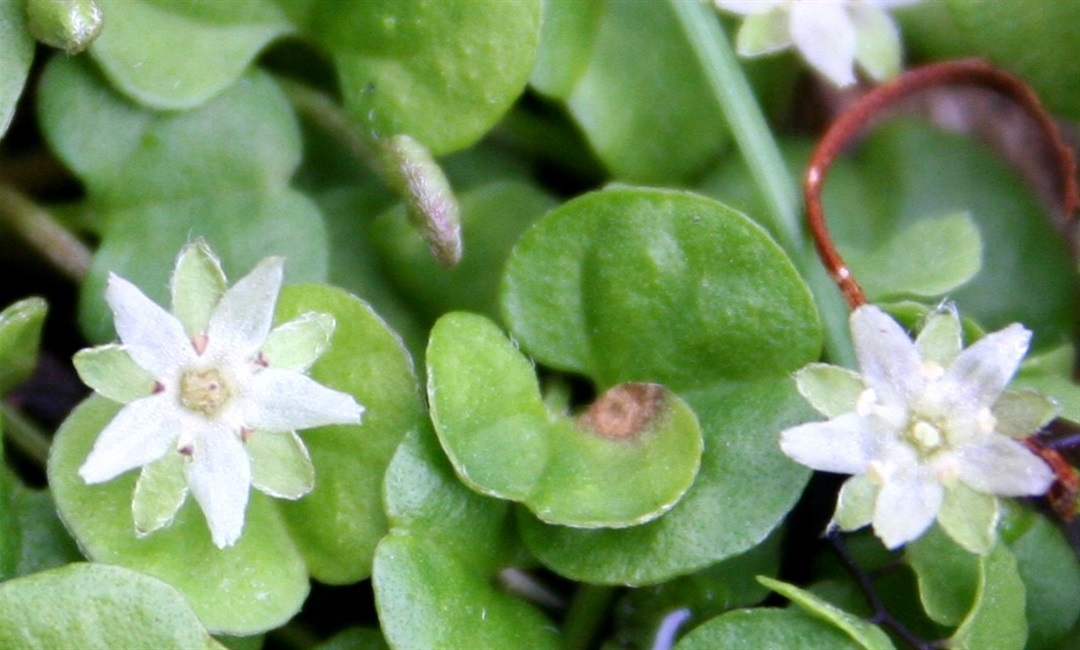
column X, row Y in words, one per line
column 888, row 359
column 153, row 337
column 981, row 372
column 1004, row 467
column 907, row 505
column 823, row 32
column 843, row 445
column 241, row 321
column 219, row 475
column 283, row 400
column 749, row 7
column 141, row 432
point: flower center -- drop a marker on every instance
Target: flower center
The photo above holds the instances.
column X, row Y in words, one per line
column 204, row 391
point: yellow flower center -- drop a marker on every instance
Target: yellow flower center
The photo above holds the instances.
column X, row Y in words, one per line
column 204, row 391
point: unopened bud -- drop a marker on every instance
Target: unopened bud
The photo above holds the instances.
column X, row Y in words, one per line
column 70, row 25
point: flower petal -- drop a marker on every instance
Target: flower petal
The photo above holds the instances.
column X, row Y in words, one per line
column 141, row 432
column 941, row 337
column 970, row 518
column 877, row 41
column 831, row 390
column 888, row 359
column 907, row 505
column 763, row 33
column 197, row 285
column 219, row 475
column 241, row 321
column 283, row 400
column 855, row 504
column 843, row 445
column 297, row 344
column 159, row 493
column 981, row 372
column 824, row 34
column 280, row 464
column 1004, row 467
column 111, row 372
column 152, row 336
column 749, row 7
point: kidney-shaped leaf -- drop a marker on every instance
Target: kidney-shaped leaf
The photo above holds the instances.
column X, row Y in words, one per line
column 634, row 284
column 624, row 461
column 97, row 606
column 767, row 629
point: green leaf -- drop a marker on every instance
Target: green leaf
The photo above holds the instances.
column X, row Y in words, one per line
column 256, row 585
column 157, row 179
column 45, row 543
column 16, row 54
column 434, row 575
column 337, row 525
column 441, row 72
column 70, row 25
column 493, row 424
column 997, row 619
column 730, row 507
column 97, row 606
column 866, row 635
column 1050, row 373
column 929, row 258
column 1050, row 571
column 171, row 54
column 566, row 41
column 766, row 629
column 1028, row 43
column 493, row 217
column 10, row 546
column 20, row 338
column 355, row 638
column 948, row 576
column 642, row 102
column 642, row 292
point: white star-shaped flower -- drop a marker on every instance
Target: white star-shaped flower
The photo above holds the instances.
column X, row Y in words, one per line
column 213, row 397
column 832, row 35
column 928, row 429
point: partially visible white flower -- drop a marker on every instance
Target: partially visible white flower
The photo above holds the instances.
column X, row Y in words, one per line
column 832, row 35
column 927, row 429
column 212, row 396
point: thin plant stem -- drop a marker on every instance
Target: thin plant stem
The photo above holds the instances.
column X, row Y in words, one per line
column 66, row 252
column 765, row 162
column 587, row 613
column 24, row 434
column 851, row 123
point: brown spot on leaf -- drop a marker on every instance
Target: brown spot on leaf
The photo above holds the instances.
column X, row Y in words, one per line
column 623, row 412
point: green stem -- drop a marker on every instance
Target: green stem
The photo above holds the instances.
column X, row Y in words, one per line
column 767, row 168
column 48, row 236
column 587, row 613
column 26, row 436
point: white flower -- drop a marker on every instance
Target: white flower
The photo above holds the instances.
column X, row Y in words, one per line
column 212, row 396
column 928, row 429
column 832, row 35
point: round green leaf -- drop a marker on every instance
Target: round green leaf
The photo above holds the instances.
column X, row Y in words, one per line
column 766, row 629
column 635, row 284
column 434, row 574
column 491, row 420
column 97, row 607
column 997, row 619
column 16, row 54
column 178, row 54
column 1050, row 571
column 948, row 576
column 256, row 585
column 20, row 337
column 1032, row 44
column 865, row 634
column 743, row 490
column 337, row 525
column 441, row 72
column 156, row 180
column 642, row 101
column 44, row 542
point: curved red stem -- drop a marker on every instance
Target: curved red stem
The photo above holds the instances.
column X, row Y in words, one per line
column 966, row 72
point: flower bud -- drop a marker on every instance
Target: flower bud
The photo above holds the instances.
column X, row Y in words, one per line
column 70, row 25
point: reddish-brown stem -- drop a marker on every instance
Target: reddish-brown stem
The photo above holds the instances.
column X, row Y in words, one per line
column 967, row 72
